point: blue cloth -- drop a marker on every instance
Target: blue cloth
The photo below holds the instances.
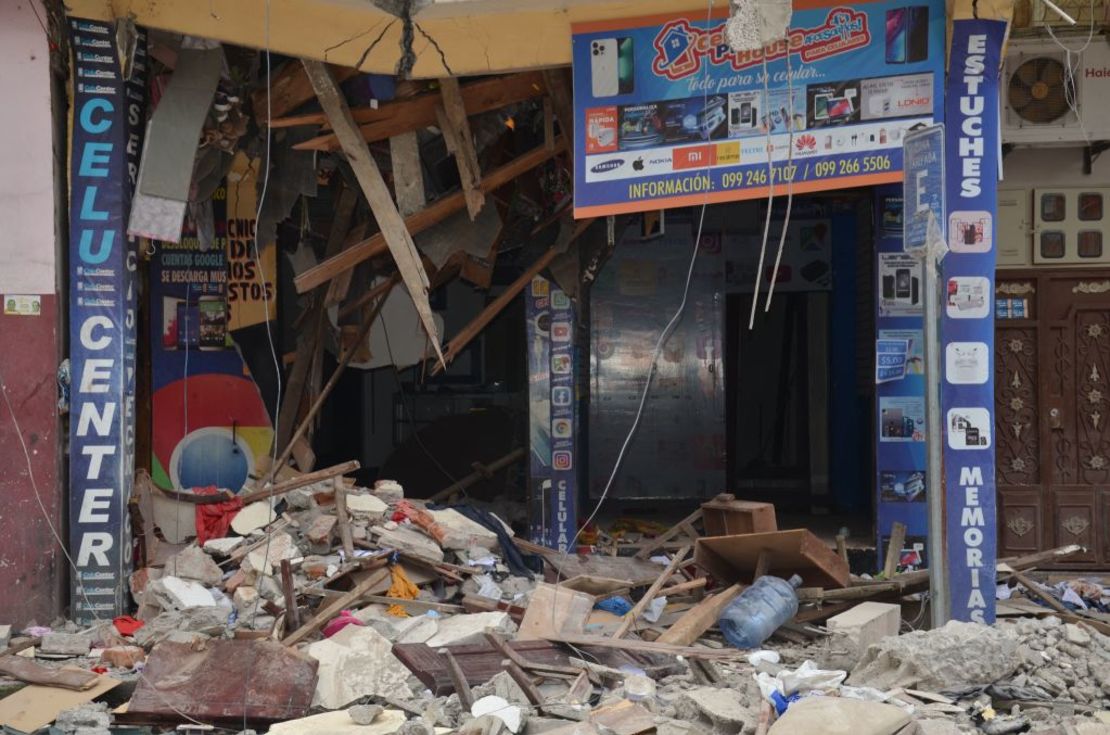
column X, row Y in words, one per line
column 615, row 605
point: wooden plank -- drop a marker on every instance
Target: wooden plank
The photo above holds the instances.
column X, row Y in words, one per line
column 699, row 618
column 1035, row 589
column 408, row 173
column 842, row 547
column 457, row 130
column 338, row 241
column 555, row 610
column 894, row 548
column 724, row 515
column 416, row 223
column 798, row 551
column 672, row 532
column 683, row 588
column 762, row 564
column 639, row 607
column 28, row 671
column 496, row 466
column 367, row 297
column 458, row 678
column 397, row 237
column 289, row 592
column 344, row 360
column 330, row 610
column 293, row 484
column 289, row 89
column 558, row 87
column 459, row 342
column 630, row 644
column 414, row 113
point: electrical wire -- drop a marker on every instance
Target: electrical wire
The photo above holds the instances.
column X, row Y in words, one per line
column 1072, row 60
column 790, row 174
column 770, row 192
column 652, row 366
column 62, row 545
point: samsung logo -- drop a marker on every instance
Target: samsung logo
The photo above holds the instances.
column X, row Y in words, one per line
column 609, row 165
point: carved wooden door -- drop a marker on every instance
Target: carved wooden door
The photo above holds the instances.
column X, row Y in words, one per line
column 1052, row 392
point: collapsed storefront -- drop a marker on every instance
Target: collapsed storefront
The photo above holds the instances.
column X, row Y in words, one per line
column 410, row 341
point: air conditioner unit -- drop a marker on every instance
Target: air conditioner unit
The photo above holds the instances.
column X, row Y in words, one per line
column 1038, row 94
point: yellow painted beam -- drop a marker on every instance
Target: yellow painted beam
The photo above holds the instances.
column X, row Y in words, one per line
column 476, row 36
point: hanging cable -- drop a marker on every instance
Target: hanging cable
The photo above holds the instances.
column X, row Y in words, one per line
column 789, row 177
column 770, row 190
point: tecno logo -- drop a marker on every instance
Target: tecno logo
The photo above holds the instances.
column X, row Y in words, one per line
column 609, row 165
column 1092, row 73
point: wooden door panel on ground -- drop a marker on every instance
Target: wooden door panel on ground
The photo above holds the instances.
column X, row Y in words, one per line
column 1052, row 395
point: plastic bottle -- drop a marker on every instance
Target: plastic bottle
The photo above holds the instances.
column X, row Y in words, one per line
column 759, row 610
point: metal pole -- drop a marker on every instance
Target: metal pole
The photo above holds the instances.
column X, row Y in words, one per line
column 934, row 433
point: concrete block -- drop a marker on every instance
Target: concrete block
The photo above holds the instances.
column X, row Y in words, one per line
column 321, row 530
column 367, row 506
column 223, row 546
column 463, row 629
column 181, row 594
column 357, row 662
column 192, row 563
column 64, row 644
column 840, row 716
column 253, row 517
column 389, row 490
column 340, row 723
column 409, row 540
column 462, row 533
column 868, row 622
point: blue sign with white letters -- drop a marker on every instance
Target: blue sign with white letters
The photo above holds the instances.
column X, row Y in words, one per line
column 967, row 326
column 923, row 153
column 108, row 114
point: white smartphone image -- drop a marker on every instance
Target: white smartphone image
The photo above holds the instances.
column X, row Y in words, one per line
column 604, row 67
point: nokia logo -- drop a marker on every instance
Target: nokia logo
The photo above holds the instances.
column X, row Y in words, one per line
column 609, row 165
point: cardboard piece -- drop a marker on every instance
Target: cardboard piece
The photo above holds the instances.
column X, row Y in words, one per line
column 555, row 610
column 37, row 706
column 734, row 558
column 724, row 515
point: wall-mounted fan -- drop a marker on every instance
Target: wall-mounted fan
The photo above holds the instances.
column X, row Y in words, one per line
column 1039, row 90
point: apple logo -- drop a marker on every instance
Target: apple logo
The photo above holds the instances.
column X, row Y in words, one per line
column 638, row 164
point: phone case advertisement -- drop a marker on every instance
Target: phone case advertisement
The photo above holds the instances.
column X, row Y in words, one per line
column 668, row 115
column 900, row 384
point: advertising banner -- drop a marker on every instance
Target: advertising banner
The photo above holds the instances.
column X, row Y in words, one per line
column 210, row 425
column 248, row 304
column 553, row 414
column 667, row 115
column 107, row 111
column 967, row 329
column 900, row 461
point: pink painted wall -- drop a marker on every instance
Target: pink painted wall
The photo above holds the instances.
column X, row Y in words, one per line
column 31, row 571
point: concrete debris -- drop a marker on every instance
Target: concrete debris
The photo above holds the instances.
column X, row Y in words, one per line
column 340, row 723
column 223, row 546
column 372, row 507
column 65, row 644
column 510, row 714
column 723, row 709
column 408, row 539
column 88, row 719
column 253, row 518
column 365, row 714
column 462, row 629
column 841, row 716
column 183, row 625
column 174, row 593
column 192, row 563
column 957, row 654
column 123, row 657
column 357, row 662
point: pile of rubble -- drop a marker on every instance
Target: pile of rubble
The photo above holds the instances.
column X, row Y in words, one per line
column 328, row 608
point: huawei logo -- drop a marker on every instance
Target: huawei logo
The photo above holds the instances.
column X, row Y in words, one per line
column 806, row 142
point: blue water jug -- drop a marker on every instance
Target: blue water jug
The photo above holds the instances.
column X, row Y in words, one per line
column 759, row 610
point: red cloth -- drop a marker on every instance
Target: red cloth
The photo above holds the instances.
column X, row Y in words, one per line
column 214, row 519
column 340, row 622
column 127, row 625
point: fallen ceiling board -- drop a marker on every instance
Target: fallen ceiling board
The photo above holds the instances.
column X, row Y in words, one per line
column 227, row 681
column 175, row 126
column 397, row 236
column 36, row 706
column 733, row 558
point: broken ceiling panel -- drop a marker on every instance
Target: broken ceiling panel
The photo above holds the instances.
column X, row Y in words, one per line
column 170, row 149
column 456, row 233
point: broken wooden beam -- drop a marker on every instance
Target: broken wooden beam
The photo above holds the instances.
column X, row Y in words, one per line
column 289, row 592
column 289, row 89
column 397, row 236
column 317, row 404
column 699, row 618
column 458, row 678
column 408, row 172
column 639, row 607
column 333, row 608
column 894, row 549
column 416, row 223
column 496, row 466
column 457, row 131
column 414, row 113
column 459, row 342
column 343, row 519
